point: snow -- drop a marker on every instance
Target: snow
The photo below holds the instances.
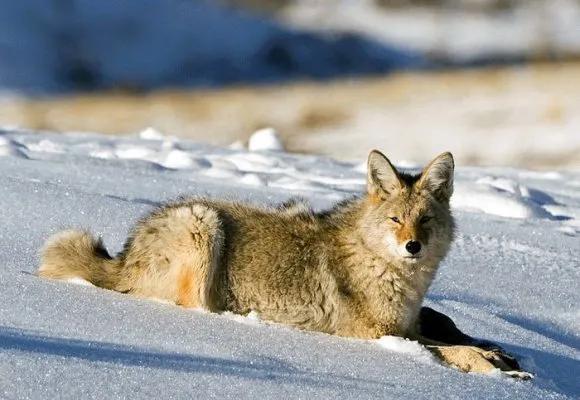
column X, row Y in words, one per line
column 511, row 277
column 266, row 139
column 151, row 134
column 79, row 281
column 406, row 346
column 503, row 197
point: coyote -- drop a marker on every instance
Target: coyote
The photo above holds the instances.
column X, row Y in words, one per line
column 359, row 270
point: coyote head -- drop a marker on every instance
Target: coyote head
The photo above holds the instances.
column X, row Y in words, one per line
column 407, row 219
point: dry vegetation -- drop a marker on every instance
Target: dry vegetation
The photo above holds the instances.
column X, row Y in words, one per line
column 527, row 116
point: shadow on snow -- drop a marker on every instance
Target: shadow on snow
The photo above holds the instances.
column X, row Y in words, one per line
column 263, row 369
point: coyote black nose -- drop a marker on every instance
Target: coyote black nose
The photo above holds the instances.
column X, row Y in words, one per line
column 413, row 246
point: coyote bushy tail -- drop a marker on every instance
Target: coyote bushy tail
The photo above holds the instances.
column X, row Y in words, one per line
column 74, row 254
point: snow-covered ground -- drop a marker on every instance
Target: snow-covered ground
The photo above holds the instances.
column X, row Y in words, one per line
column 512, row 277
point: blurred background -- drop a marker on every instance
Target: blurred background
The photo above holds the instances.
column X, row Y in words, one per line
column 495, row 81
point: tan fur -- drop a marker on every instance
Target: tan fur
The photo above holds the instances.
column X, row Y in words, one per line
column 75, row 254
column 474, row 359
column 344, row 272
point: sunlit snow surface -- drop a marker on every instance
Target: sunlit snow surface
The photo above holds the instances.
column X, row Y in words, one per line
column 512, row 277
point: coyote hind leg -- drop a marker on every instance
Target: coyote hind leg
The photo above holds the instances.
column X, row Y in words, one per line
column 173, row 255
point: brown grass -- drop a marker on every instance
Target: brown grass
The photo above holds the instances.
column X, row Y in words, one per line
column 399, row 112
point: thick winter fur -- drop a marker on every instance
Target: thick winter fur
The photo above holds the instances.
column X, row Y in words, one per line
column 346, row 271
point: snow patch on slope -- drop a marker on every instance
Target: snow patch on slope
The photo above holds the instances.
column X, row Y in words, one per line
column 502, row 195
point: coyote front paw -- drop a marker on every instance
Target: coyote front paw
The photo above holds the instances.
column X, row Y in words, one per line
column 474, row 359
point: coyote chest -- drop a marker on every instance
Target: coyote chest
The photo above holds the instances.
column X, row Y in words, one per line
column 382, row 298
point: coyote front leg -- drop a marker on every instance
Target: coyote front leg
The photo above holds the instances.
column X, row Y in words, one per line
column 439, row 334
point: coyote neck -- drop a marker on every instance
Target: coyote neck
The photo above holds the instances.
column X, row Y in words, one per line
column 386, row 292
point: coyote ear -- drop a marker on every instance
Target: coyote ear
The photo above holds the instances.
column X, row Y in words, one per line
column 382, row 177
column 437, row 177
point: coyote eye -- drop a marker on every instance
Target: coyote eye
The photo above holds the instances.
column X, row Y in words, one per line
column 395, row 219
column 425, row 219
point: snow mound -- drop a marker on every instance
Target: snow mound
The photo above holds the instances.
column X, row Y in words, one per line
column 489, row 196
column 266, row 139
column 151, row 134
column 505, row 197
column 406, row 346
